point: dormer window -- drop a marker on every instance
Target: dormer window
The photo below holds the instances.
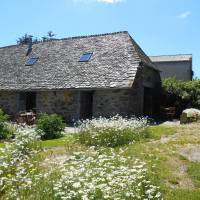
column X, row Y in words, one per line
column 31, row 61
column 85, row 57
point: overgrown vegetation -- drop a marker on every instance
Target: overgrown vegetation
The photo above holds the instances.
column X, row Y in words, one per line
column 89, row 174
column 18, row 171
column 149, row 168
column 100, row 175
column 112, row 132
column 50, row 126
column 6, row 129
column 181, row 94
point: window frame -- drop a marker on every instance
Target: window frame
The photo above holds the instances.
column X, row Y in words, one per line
column 89, row 54
column 29, row 60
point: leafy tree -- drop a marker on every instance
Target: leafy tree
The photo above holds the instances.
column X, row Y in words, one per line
column 26, row 39
column 50, row 36
column 181, row 94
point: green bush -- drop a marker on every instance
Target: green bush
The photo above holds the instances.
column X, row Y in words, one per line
column 6, row 131
column 50, row 126
column 181, row 94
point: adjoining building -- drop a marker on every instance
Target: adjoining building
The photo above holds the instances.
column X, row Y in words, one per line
column 79, row 77
column 178, row 66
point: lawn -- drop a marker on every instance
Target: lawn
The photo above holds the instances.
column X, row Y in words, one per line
column 177, row 176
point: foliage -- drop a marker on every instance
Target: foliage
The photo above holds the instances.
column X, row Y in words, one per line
column 50, row 36
column 100, row 175
column 182, row 94
column 111, row 132
column 27, row 39
column 50, row 126
column 6, row 129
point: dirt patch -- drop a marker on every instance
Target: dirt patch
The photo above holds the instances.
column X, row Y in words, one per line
column 55, row 157
column 191, row 152
column 180, row 178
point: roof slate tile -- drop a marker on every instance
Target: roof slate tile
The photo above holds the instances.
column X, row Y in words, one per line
column 116, row 58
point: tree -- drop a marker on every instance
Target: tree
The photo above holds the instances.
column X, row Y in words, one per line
column 26, row 39
column 50, row 36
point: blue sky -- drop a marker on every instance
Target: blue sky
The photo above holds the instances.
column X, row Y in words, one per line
column 159, row 26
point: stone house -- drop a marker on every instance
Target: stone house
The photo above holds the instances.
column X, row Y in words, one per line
column 178, row 66
column 79, row 77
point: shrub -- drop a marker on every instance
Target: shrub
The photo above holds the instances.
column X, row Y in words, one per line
column 6, row 130
column 104, row 176
column 111, row 132
column 181, row 94
column 50, row 126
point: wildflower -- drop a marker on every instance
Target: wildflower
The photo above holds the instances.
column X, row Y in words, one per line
column 104, row 176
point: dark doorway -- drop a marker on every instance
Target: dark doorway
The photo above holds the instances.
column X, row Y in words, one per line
column 148, row 106
column 30, row 101
column 86, row 101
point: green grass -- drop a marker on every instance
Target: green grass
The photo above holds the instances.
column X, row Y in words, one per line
column 156, row 132
column 2, row 145
column 194, row 172
column 180, row 194
column 61, row 142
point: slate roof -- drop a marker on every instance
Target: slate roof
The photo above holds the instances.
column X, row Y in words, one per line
column 114, row 63
column 171, row 58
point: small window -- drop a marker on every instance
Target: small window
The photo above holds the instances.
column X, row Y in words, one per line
column 31, row 61
column 85, row 57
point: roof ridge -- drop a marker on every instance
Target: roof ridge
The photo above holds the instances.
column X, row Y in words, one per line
column 93, row 35
column 186, row 54
column 70, row 38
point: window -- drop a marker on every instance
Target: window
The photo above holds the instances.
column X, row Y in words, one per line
column 85, row 57
column 31, row 61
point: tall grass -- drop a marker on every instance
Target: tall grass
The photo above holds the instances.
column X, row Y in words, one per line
column 111, row 132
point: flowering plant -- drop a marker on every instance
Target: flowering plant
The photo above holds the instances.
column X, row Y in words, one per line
column 104, row 176
column 17, row 165
column 112, row 131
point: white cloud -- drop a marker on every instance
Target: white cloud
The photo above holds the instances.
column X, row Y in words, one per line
column 184, row 15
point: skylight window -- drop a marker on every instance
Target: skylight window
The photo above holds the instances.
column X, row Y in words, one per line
column 85, row 57
column 31, row 61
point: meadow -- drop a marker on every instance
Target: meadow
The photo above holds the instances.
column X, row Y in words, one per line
column 114, row 158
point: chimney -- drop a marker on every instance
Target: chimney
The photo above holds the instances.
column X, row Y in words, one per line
column 29, row 47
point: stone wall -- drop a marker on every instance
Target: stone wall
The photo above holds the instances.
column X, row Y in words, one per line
column 9, row 102
column 111, row 102
column 65, row 103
